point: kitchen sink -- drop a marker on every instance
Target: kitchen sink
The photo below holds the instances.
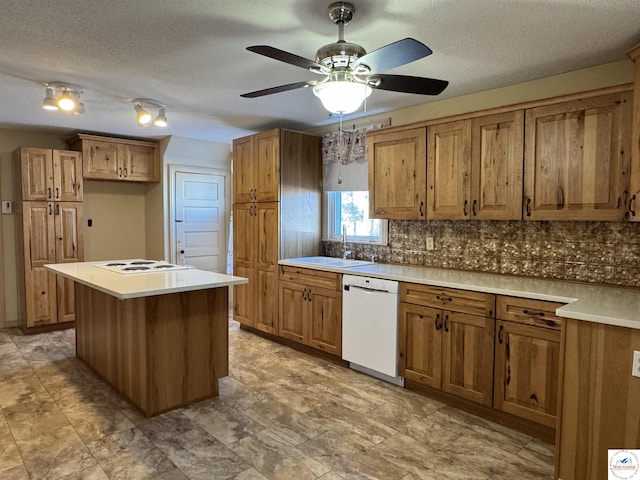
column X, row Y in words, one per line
column 330, row 261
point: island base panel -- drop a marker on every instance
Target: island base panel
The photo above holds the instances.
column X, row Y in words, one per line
column 160, row 352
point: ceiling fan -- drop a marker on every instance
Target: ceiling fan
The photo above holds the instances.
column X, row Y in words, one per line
column 350, row 73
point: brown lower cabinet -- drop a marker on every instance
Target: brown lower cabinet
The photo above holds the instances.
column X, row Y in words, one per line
column 446, row 348
column 311, row 308
column 527, row 359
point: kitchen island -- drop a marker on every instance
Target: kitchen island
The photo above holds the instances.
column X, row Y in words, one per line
column 160, row 338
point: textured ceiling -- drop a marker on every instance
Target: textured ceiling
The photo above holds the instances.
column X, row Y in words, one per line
column 191, row 55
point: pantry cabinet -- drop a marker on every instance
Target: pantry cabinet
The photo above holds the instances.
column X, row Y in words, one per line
column 276, row 214
column 397, row 163
column 577, row 159
column 48, row 216
column 106, row 158
column 527, row 359
column 311, row 308
column 446, row 340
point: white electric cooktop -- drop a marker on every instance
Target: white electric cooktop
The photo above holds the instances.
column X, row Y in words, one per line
column 136, row 266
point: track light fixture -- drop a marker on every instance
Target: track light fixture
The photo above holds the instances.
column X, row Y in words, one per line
column 143, row 117
column 63, row 97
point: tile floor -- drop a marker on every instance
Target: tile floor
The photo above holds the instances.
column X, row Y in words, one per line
column 281, row 414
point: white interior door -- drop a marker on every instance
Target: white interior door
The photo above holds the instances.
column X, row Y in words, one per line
column 200, row 220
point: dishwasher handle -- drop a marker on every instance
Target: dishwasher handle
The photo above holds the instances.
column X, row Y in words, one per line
column 367, row 289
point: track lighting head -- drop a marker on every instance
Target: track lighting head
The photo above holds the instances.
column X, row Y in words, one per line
column 49, row 102
column 143, row 117
column 64, row 97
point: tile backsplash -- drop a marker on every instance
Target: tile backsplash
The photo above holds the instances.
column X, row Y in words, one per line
column 597, row 252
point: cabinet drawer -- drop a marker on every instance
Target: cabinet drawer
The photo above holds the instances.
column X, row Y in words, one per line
column 463, row 301
column 537, row 313
column 314, row 278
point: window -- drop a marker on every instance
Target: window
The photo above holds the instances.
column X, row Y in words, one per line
column 349, row 211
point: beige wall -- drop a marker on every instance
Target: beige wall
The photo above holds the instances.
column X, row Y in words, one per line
column 606, row 75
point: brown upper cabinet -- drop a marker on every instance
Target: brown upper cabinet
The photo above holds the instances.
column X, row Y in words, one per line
column 577, row 159
column 50, row 175
column 256, row 168
column 107, row 158
column 633, row 206
column 475, row 168
column 397, row 174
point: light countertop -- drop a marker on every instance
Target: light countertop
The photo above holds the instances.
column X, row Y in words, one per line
column 142, row 284
column 593, row 303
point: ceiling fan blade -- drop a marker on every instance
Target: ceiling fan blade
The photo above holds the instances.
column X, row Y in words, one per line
column 393, row 55
column 281, row 88
column 407, row 84
column 285, row 57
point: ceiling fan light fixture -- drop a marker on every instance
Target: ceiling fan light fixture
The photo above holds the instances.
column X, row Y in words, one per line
column 342, row 97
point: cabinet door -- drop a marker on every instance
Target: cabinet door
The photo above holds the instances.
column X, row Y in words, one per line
column 267, row 166
column 39, row 250
column 467, row 356
column 420, row 349
column 293, row 311
column 448, row 171
column 102, row 160
column 266, row 235
column 67, row 176
column 497, row 156
column 244, row 240
column 37, row 174
column 244, row 298
column 66, row 299
column 142, row 163
column 526, row 371
column 397, row 174
column 68, row 232
column 266, row 298
column 325, row 320
column 577, row 159
column 243, row 170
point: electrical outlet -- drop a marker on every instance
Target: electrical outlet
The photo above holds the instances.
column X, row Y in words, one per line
column 6, row 206
column 430, row 245
column 635, row 368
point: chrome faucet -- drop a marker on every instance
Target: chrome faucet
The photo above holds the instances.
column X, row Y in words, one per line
column 345, row 252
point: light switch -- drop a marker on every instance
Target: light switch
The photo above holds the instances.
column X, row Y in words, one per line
column 430, row 245
column 7, row 206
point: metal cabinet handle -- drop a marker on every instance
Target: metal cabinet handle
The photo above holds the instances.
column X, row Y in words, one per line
column 49, row 193
column 304, row 295
column 444, row 299
column 464, row 207
column 57, row 209
column 125, row 172
column 631, row 202
column 473, row 208
column 57, row 193
column 421, row 209
column 120, row 172
column 500, row 334
column 529, row 312
column 50, row 211
column 435, row 322
column 528, row 206
column 446, row 319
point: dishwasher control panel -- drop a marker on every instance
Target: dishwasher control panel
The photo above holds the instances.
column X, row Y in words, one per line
column 369, row 283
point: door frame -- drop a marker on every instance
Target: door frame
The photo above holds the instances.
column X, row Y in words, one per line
column 177, row 168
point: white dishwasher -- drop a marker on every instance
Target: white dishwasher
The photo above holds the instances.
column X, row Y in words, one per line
column 370, row 326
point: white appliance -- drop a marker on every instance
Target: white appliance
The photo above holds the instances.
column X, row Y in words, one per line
column 370, row 326
column 129, row 267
